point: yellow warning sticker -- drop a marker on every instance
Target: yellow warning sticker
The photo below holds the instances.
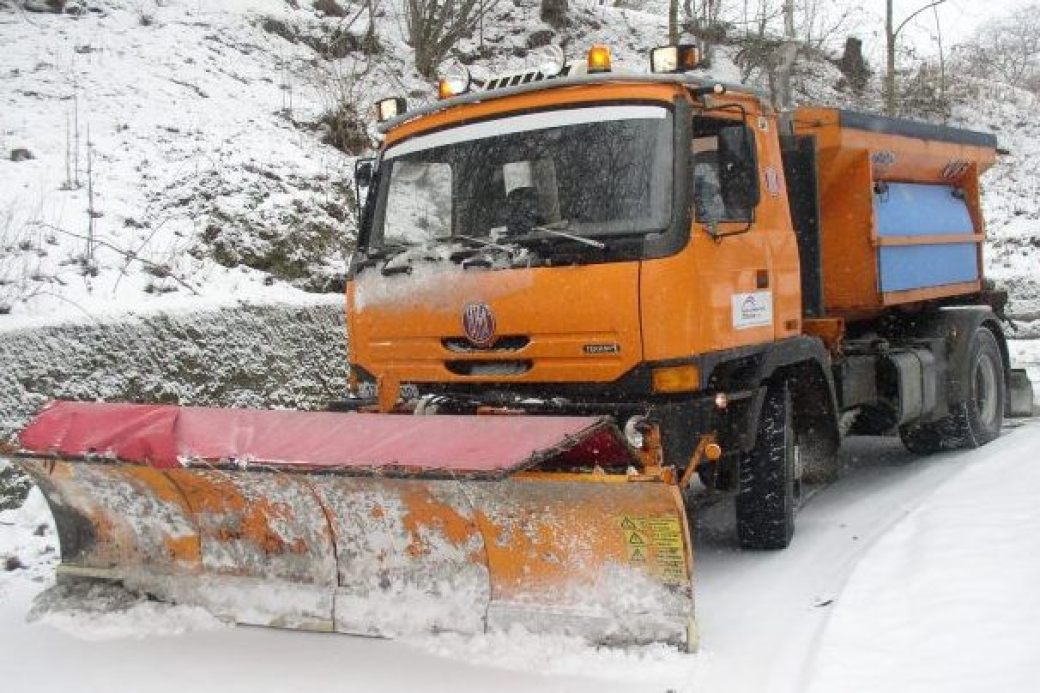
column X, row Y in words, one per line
column 656, row 544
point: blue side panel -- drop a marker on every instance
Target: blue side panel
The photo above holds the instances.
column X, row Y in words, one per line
column 912, row 209
column 920, row 266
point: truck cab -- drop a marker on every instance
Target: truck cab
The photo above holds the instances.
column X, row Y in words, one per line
column 577, row 243
column 673, row 254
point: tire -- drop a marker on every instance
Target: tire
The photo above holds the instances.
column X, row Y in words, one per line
column 978, row 419
column 922, row 439
column 769, row 487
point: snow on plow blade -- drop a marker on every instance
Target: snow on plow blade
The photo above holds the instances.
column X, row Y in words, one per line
column 372, row 524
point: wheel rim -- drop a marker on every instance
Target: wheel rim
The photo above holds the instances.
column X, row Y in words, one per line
column 986, row 389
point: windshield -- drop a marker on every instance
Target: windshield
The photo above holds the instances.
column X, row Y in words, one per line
column 592, row 171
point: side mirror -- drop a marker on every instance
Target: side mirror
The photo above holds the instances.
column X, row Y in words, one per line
column 364, row 172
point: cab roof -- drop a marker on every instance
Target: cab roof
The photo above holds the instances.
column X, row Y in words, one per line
column 485, row 96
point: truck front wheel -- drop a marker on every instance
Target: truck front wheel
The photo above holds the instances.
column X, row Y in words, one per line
column 769, row 487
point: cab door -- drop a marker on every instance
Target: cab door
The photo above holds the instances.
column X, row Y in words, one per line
column 736, row 283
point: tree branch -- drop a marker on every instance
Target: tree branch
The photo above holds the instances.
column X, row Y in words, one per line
column 934, row 3
column 125, row 253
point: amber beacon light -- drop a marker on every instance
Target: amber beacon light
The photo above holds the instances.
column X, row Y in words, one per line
column 599, row 59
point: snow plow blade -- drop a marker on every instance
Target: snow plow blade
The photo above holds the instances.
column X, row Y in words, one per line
column 372, row 524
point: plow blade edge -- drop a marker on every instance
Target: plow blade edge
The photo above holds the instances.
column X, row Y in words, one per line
column 369, row 524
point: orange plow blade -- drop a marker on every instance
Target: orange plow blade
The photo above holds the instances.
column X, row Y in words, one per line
column 370, row 524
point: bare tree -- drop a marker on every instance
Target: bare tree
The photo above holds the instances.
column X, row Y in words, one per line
column 1008, row 49
column 554, row 11
column 942, row 54
column 892, row 32
column 673, row 21
column 434, row 26
column 761, row 50
column 703, row 20
column 823, row 22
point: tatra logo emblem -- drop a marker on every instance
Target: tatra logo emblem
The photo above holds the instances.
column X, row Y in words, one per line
column 478, row 322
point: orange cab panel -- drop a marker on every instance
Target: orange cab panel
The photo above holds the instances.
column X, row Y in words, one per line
column 558, row 324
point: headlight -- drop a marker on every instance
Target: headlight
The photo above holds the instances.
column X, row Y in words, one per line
column 681, row 58
column 549, row 60
column 454, row 79
column 634, row 432
column 390, row 108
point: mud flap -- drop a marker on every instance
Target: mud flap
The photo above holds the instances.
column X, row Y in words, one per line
column 1020, row 393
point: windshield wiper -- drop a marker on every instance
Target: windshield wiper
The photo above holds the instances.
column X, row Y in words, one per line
column 553, row 229
column 374, row 255
column 483, row 243
column 386, row 250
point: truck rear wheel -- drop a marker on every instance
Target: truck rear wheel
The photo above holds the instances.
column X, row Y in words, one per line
column 769, row 487
column 982, row 414
column 978, row 419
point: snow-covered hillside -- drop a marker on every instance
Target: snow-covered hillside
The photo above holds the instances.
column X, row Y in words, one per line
column 158, row 153
column 153, row 153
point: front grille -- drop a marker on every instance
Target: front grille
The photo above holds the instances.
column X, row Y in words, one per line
column 461, row 345
column 488, row 368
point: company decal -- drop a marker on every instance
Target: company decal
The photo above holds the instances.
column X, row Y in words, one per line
column 602, row 348
column 883, row 157
column 752, row 310
column 478, row 324
column 772, row 181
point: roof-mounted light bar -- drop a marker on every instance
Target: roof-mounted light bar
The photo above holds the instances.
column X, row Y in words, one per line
column 454, row 80
column 549, row 60
column 598, row 59
column 675, row 58
column 390, row 108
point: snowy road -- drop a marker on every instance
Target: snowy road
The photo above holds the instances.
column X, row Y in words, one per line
column 767, row 619
column 762, row 613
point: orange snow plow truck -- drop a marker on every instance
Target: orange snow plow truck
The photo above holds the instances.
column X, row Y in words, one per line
column 580, row 297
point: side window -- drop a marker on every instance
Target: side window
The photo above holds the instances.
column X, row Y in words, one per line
column 723, row 163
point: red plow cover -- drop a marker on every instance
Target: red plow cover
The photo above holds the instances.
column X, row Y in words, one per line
column 164, row 437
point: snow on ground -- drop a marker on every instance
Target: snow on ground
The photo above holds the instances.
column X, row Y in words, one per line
column 28, row 543
column 909, row 574
column 102, row 612
column 947, row 600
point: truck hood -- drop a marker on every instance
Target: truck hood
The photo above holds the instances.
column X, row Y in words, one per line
column 538, row 325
